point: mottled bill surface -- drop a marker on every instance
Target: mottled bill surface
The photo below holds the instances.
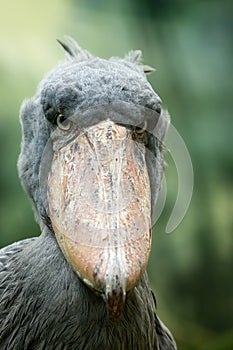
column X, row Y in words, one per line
column 100, row 205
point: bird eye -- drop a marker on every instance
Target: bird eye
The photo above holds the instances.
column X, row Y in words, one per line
column 141, row 128
column 63, row 123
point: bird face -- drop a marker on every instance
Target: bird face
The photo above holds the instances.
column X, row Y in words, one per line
column 105, row 171
column 100, row 207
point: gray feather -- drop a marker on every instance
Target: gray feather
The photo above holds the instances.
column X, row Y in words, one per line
column 73, row 49
column 43, row 303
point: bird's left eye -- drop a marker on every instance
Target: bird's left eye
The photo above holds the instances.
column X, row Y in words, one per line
column 63, row 123
column 141, row 128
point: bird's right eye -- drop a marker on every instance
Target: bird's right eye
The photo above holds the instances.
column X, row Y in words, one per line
column 141, row 128
column 63, row 123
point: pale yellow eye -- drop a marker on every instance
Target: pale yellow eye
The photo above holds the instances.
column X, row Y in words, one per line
column 141, row 128
column 63, row 123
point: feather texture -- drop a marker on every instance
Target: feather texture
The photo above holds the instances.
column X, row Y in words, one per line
column 43, row 303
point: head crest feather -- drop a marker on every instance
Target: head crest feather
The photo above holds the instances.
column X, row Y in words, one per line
column 135, row 56
column 73, row 49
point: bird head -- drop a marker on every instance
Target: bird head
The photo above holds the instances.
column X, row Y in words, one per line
column 91, row 162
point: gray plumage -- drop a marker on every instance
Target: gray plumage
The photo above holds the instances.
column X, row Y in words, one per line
column 43, row 303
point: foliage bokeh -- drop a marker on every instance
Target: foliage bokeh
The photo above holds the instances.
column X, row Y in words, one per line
column 190, row 45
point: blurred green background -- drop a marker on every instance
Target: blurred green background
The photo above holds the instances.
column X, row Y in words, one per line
column 190, row 44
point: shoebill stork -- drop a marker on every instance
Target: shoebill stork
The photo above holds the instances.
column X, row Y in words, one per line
column 91, row 163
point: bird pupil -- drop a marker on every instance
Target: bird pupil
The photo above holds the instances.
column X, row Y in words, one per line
column 61, row 119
